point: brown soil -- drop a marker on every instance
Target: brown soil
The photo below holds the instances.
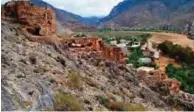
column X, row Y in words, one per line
column 163, row 62
column 175, row 38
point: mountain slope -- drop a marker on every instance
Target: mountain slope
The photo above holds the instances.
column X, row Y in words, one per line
column 151, row 13
column 33, row 73
column 68, row 19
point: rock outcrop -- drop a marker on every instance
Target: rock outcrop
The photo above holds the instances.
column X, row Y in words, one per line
column 39, row 20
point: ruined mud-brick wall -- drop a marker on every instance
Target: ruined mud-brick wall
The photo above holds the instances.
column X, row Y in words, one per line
column 155, row 77
column 41, row 21
column 112, row 53
column 95, row 43
column 150, row 78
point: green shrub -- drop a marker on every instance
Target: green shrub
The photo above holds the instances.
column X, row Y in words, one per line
column 144, row 38
column 66, row 102
column 177, row 52
column 136, row 53
column 191, row 37
column 184, row 75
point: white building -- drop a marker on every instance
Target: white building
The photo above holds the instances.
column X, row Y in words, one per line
column 145, row 60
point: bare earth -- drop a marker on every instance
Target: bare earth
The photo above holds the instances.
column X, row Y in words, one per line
column 175, row 38
column 163, row 62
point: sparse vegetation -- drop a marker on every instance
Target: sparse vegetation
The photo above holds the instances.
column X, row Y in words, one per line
column 75, row 80
column 120, row 106
column 142, row 37
column 118, row 34
column 66, row 102
column 80, row 35
column 191, row 37
column 153, row 30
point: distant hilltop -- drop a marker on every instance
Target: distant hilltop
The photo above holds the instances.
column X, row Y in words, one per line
column 173, row 14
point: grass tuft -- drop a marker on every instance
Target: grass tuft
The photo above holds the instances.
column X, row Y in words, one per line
column 120, row 106
column 75, row 80
column 66, row 102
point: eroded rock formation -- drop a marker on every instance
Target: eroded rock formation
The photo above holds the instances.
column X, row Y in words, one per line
column 40, row 21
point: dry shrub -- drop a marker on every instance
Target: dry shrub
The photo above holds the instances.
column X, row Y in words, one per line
column 120, row 106
column 66, row 102
column 75, row 80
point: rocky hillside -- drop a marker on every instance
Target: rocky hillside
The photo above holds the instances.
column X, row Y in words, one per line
column 151, row 13
column 39, row 72
column 33, row 74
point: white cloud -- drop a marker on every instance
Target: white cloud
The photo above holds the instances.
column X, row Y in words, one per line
column 84, row 7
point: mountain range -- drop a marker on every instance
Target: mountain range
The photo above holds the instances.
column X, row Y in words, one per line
column 132, row 14
column 151, row 13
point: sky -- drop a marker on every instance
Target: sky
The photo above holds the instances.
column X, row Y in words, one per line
column 85, row 8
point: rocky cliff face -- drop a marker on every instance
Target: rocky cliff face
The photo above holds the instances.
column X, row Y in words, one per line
column 40, row 20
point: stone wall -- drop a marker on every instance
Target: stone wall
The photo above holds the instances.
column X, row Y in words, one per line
column 96, row 44
column 40, row 20
column 155, row 77
column 112, row 53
